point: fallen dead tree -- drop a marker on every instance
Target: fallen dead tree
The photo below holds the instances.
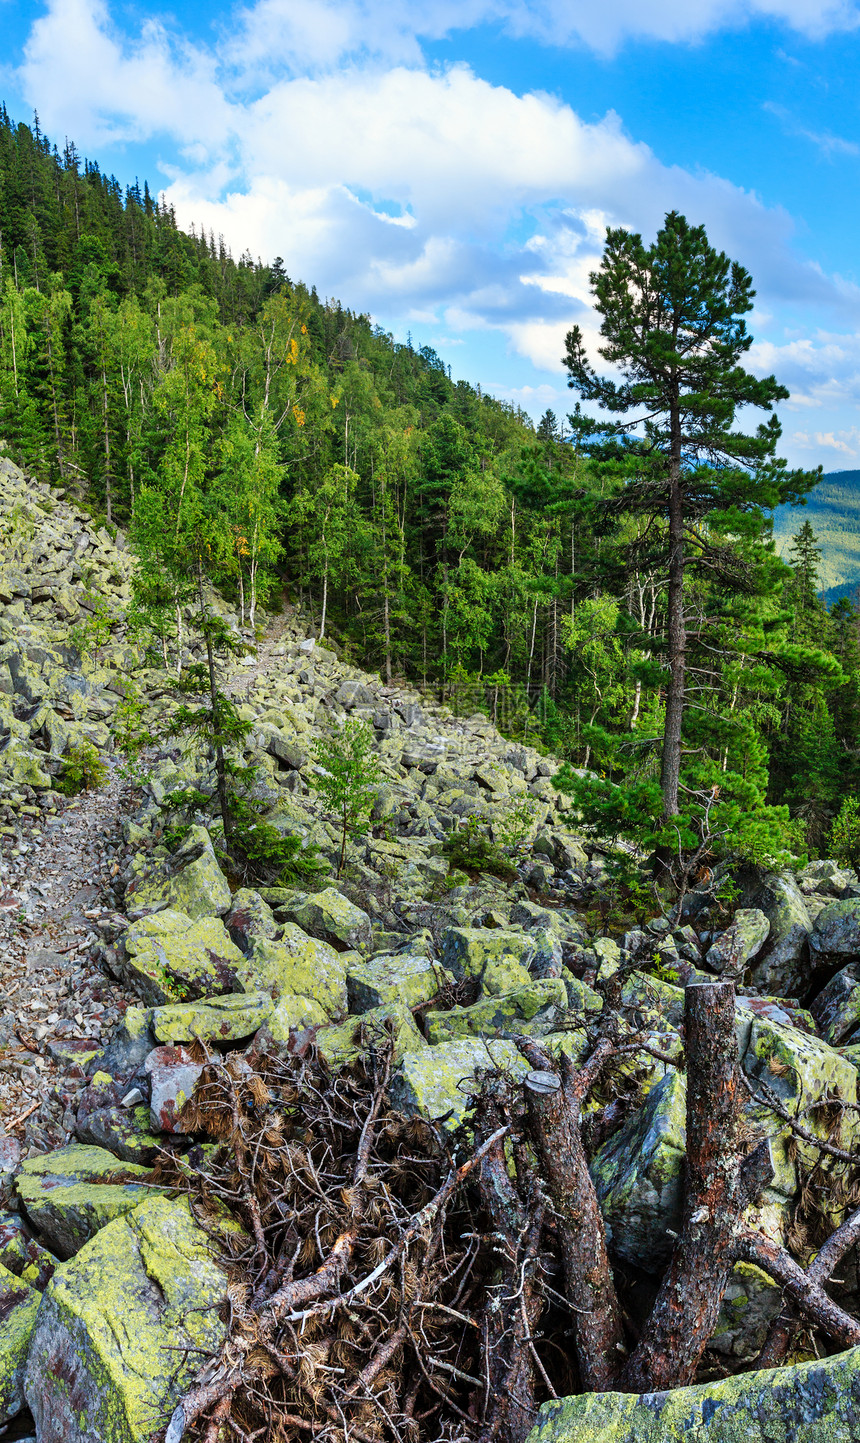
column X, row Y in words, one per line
column 388, row 1282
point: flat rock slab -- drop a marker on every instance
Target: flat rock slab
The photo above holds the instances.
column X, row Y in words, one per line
column 70, row 1194
column 106, row 1360
column 230, row 1018
column 816, row 1402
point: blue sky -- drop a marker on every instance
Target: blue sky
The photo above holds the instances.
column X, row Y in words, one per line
column 451, row 167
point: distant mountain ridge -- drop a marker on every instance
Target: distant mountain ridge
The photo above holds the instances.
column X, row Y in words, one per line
column 833, row 510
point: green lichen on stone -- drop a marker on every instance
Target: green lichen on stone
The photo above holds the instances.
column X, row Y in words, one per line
column 69, row 1194
column 298, row 965
column 497, row 958
column 531, row 1011
column 190, row 882
column 816, row 1402
column 439, row 1082
column 172, row 957
column 19, row 1304
column 637, row 1176
column 221, row 1019
column 750, row 1303
column 395, row 977
column 332, row 917
column 292, row 1013
column 106, row 1362
column 344, row 1042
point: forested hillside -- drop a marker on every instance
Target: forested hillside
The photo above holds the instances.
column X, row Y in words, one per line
column 181, row 394
column 833, row 511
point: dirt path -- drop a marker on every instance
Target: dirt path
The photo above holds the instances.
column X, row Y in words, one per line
column 55, row 888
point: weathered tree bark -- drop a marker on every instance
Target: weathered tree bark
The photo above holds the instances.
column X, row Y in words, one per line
column 555, row 1107
column 513, row 1304
column 676, row 633
column 688, row 1304
column 805, row 1291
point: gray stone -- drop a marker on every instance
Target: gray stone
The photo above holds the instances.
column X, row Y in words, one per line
column 783, row 967
column 816, row 1402
column 19, row 1304
column 107, row 1361
column 742, row 941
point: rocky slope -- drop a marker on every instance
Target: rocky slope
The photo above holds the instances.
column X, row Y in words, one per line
column 120, row 953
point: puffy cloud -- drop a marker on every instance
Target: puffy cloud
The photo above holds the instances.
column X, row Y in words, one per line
column 433, row 194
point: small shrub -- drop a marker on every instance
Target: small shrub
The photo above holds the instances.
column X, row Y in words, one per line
column 83, row 769
column 92, row 633
column 471, row 849
column 131, row 735
column 348, row 779
column 845, row 833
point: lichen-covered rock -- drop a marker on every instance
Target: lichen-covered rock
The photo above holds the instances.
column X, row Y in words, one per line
column 817, row 1402
column 130, row 1043
column 172, row 957
column 290, row 1013
column 22, row 1255
column 783, row 966
column 531, row 1011
column 836, row 1009
column 750, row 1303
column 836, row 931
column 19, row 1304
column 106, row 1360
column 439, row 1082
column 395, row 977
column 249, row 916
column 295, row 964
column 68, row 1195
column 105, row 1120
column 740, row 942
column 173, row 1076
column 190, row 881
column 344, row 1042
column 333, row 918
column 498, row 959
column 827, row 877
column 637, row 1176
column 228, row 1018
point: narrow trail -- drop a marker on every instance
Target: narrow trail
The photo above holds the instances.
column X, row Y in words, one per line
column 56, row 886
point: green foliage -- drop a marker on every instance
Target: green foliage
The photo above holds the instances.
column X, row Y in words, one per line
column 131, row 734
column 845, row 832
column 90, row 635
column 348, row 777
column 470, row 848
column 83, row 770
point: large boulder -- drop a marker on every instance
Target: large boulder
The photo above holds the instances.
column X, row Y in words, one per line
column 817, row 1402
column 496, row 958
column 249, row 916
column 395, row 977
column 533, row 1011
column 19, row 1304
column 345, row 1041
column 638, row 1176
column 295, row 964
column 333, row 918
column 439, row 1083
column 783, row 966
column 123, row 1327
column 190, row 881
column 836, row 932
column 740, row 942
column 230, row 1018
column 172, row 957
column 70, row 1194
column 836, row 1009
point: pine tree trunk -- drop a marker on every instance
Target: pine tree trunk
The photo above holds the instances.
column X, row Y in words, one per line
column 670, row 769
